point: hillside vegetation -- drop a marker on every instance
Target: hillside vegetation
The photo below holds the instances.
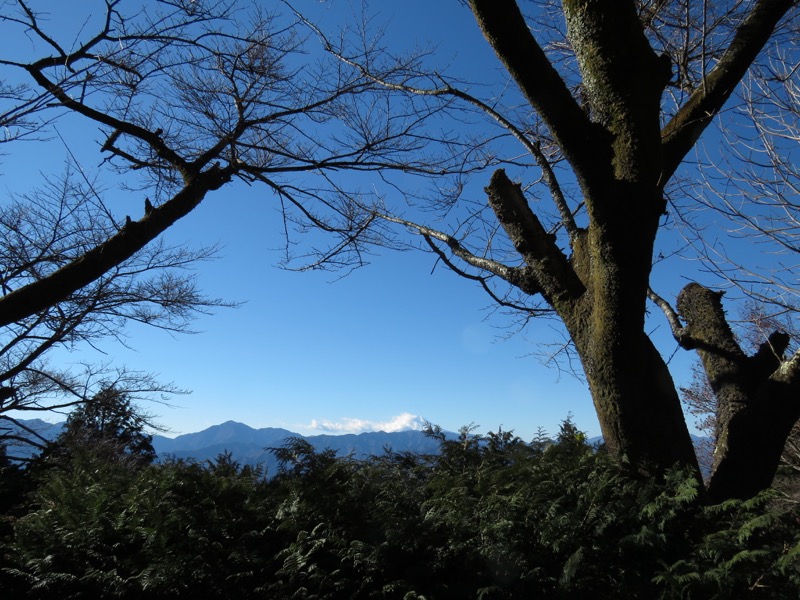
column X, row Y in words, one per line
column 486, row 517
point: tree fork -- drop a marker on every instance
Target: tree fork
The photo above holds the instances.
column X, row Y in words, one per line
column 635, row 397
column 555, row 276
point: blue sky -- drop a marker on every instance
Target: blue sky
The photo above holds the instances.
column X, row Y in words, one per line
column 382, row 348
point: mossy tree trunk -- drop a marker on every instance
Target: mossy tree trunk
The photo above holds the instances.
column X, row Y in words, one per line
column 622, row 158
column 758, row 396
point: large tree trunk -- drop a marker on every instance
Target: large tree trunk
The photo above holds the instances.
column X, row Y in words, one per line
column 637, row 405
column 600, row 295
column 614, row 147
column 622, row 159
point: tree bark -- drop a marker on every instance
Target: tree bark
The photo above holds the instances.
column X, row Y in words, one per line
column 758, row 396
column 622, row 160
column 636, row 401
column 637, row 404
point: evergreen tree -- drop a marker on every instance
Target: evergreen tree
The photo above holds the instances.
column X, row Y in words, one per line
column 109, row 426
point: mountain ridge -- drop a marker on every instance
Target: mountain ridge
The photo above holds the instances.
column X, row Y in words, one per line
column 250, row 446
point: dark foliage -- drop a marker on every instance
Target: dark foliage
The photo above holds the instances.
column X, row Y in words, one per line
column 488, row 517
column 107, row 426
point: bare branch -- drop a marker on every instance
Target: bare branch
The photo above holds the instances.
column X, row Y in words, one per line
column 506, row 30
column 685, row 128
column 516, row 276
column 678, row 330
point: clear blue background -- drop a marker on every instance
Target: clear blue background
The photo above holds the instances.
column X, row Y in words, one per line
column 382, row 348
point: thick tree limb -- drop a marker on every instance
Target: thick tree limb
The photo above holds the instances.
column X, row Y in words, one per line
column 758, row 397
column 685, row 128
column 707, row 327
column 134, row 236
column 581, row 141
column 550, row 267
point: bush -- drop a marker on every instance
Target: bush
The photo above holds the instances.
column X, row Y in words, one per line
column 487, row 517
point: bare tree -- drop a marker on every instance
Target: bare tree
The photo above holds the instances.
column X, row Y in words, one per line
column 612, row 101
column 51, row 227
column 621, row 95
column 190, row 96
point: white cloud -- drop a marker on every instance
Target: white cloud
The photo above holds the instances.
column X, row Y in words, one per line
column 403, row 422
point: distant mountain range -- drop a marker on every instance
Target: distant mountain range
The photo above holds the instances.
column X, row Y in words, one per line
column 250, row 446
